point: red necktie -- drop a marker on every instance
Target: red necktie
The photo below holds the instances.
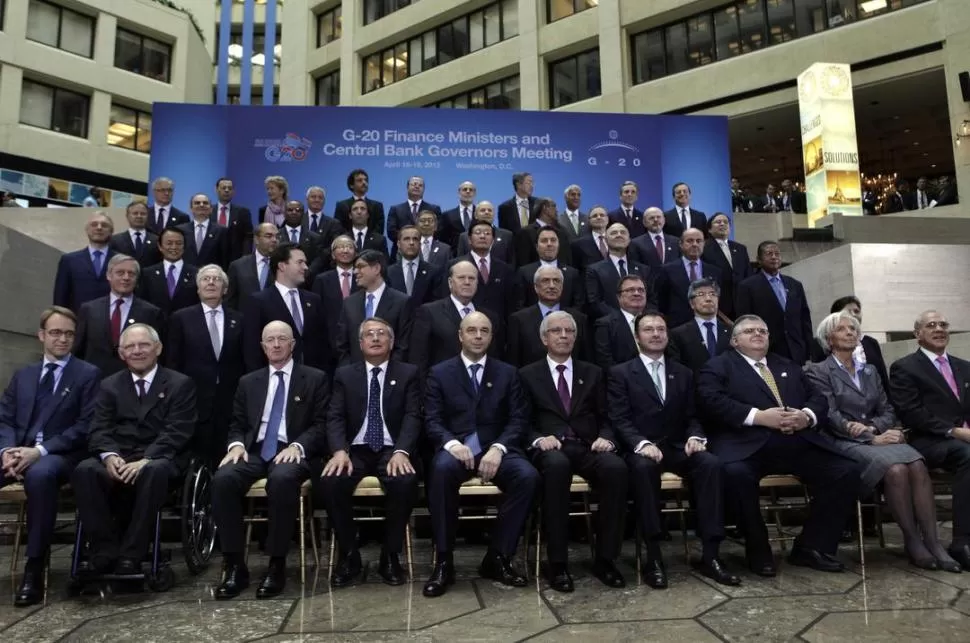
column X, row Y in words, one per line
column 483, row 268
column 603, row 249
column 222, row 215
column 345, row 284
column 658, row 243
column 116, row 322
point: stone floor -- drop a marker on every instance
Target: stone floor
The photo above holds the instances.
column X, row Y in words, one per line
column 888, row 600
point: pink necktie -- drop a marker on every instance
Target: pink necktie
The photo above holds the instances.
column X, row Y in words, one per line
column 947, row 373
column 222, row 215
column 345, row 284
column 603, row 249
column 483, row 268
column 659, row 244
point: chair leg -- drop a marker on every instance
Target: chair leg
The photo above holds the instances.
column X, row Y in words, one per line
column 21, row 510
column 538, row 542
column 302, row 542
column 588, row 517
column 878, row 519
column 862, row 544
column 683, row 532
column 249, row 530
column 636, row 539
column 333, row 547
column 313, row 539
column 407, row 543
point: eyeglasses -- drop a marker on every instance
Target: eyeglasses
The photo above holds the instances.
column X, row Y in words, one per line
column 142, row 346
column 705, row 295
column 933, row 325
column 58, row 334
column 637, row 290
column 566, row 330
column 211, row 279
column 754, row 331
column 375, row 332
column 279, row 339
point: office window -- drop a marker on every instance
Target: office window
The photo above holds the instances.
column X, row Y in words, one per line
column 3, row 6
column 648, row 62
column 328, row 89
column 809, row 17
column 675, row 39
column 329, row 26
column 574, row 79
column 726, row 34
column 255, row 97
column 841, row 12
column 56, row 26
column 377, row 9
column 700, row 41
column 142, row 55
column 502, row 94
column 556, row 9
column 510, row 18
column 751, row 21
column 781, row 21
column 130, row 129
column 54, row 108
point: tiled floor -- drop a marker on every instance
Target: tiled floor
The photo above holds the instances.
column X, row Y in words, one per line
column 890, row 601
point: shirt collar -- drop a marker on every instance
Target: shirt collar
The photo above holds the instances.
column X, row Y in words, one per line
column 61, row 363
column 284, row 291
column 554, row 364
column 168, row 264
column 701, row 321
column 545, row 310
column 549, row 264
column 687, row 262
column 149, row 377
column 206, row 308
column 467, row 362
column 369, row 368
column 751, row 361
column 648, row 361
column 378, row 291
column 127, row 299
column 933, row 356
column 856, row 364
column 287, row 368
column 459, row 305
column 479, row 257
column 356, row 230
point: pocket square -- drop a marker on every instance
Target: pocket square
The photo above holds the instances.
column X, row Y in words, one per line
column 784, row 374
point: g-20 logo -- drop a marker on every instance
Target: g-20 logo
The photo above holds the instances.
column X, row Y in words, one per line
column 291, row 148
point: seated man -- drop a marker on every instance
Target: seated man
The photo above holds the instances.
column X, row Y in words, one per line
column 572, row 434
column 277, row 432
column 143, row 423
column 651, row 403
column 476, row 419
column 44, row 418
column 373, row 427
column 763, row 418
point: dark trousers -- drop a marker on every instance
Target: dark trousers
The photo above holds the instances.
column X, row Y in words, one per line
column 833, row 484
column 954, row 456
column 516, row 478
column 703, row 472
column 97, row 493
column 606, row 472
column 42, row 482
column 229, row 487
column 336, row 493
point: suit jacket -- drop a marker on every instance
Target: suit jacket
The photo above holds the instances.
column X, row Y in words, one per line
column 307, row 398
column 525, row 245
column 441, row 255
column 846, row 403
column 498, row 295
column 121, row 243
column 672, row 284
column 573, row 295
column 327, row 288
column 64, row 418
column 639, row 413
column 687, row 344
column 587, row 417
column 732, row 274
column 923, row 399
column 309, row 242
column 947, row 195
column 585, row 252
column 375, row 211
column 765, row 203
column 791, row 328
column 450, row 225
column 394, row 308
column 400, row 405
column 614, row 339
column 215, row 248
column 499, row 412
column 175, row 218
column 896, row 202
column 75, row 282
column 434, row 334
column 244, row 281
column 873, row 354
column 240, row 225
column 92, row 342
column 525, row 345
column 508, row 214
column 153, row 288
column 372, row 241
column 728, row 388
column 675, row 228
column 312, row 345
column 429, row 282
column 159, row 426
column 567, row 225
column 400, row 215
column 602, row 279
column 503, row 246
column 645, row 252
column 635, row 226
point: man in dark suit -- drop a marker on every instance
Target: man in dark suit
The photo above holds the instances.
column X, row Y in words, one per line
column 433, row 251
column 250, row 274
column 452, row 223
column 364, row 238
column 503, row 241
column 44, row 418
column 572, row 434
column 413, row 276
column 406, row 213
column 627, row 214
column 547, row 246
column 373, row 427
column 900, row 200
column 358, row 183
column 326, row 227
column 651, row 402
column 137, row 241
column 277, row 432
column 295, row 230
column 946, row 191
column 730, row 257
column 237, row 219
column 763, row 419
column 205, row 242
column 286, row 301
column 170, row 284
column 517, row 212
column 164, row 214
column 705, row 336
column 523, row 332
column 205, row 342
column 614, row 337
column 496, row 279
column 931, row 392
column 101, row 321
column 603, row 276
column 674, row 278
column 780, row 301
column 334, row 286
column 476, row 423
column 682, row 215
column 372, row 299
column 654, row 248
column 573, row 221
column 792, row 199
column 592, row 247
column 526, row 239
column 922, row 199
column 739, row 200
column 143, row 423
column 81, row 274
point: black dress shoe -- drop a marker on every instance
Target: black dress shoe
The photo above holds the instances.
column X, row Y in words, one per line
column 962, row 556
column 127, row 567
column 390, row 569
column 803, row 557
column 929, row 564
column 608, row 574
column 654, row 574
column 31, row 589
column 951, row 566
column 716, row 571
column 236, row 581
column 497, row 567
column 442, row 576
column 273, row 582
column 765, row 570
column 348, row 569
column 558, row 576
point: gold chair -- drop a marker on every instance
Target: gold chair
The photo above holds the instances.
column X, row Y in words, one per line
column 305, row 519
column 579, row 486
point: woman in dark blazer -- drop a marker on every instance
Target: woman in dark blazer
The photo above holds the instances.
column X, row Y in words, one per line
column 866, row 430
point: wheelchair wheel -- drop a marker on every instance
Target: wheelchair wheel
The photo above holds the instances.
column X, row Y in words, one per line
column 198, row 526
column 163, row 581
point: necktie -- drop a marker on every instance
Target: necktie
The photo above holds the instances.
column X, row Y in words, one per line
column 138, row 244
column 295, row 312
column 345, row 284
column 214, row 333
column 769, row 379
column 170, row 281
column 161, row 219
column 369, row 307
column 657, row 381
column 294, row 236
column 199, row 237
column 629, row 215
column 602, row 244
column 726, row 249
column 96, row 263
column 683, row 218
column 47, row 382
column 465, row 312
column 920, row 201
column 562, row 388
column 360, row 240
column 693, row 271
column 574, row 220
column 474, row 368
column 523, row 213
column 779, row 288
column 711, row 339
column 414, row 212
column 947, row 374
column 314, row 223
column 263, row 272
column 116, row 322
column 223, row 220
column 622, row 264
column 465, row 219
column 426, row 249
column 409, row 278
column 272, row 437
column 483, row 268
column 374, row 435
column 141, row 389
column 658, row 243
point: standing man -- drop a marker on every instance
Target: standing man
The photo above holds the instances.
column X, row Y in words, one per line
column 319, row 223
column 296, row 230
column 591, row 248
column 545, row 217
column 433, row 251
column 696, row 341
column 237, row 219
column 334, row 286
column 44, row 418
column 81, row 274
column 517, row 212
column 138, row 241
column 730, row 257
column 406, row 213
column 164, row 214
column 412, row 275
column 496, row 279
column 627, row 214
column 373, row 426
column 922, row 198
column 792, row 199
column 573, row 221
column 524, row 324
column 674, row 278
column 547, row 249
column 739, row 202
column 364, row 239
column 682, row 215
column 170, row 285
column 206, row 242
column 603, row 277
column 277, row 432
column 477, row 419
column 250, row 274
column 768, row 202
column 615, row 335
column 572, row 434
column 457, row 220
column 502, row 240
column 358, row 182
column 654, row 248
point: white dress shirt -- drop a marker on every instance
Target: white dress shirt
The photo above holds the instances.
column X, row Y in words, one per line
column 377, row 293
column 58, row 372
column 166, row 265
column 749, row 420
column 168, row 214
column 288, row 301
column 616, row 262
column 144, row 236
column 360, row 438
column 700, row 321
column 554, row 372
column 630, row 318
column 459, row 306
column 125, row 308
column 220, row 318
column 478, row 378
column 477, row 258
column 289, row 230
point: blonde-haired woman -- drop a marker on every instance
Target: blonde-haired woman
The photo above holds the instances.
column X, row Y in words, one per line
column 277, row 189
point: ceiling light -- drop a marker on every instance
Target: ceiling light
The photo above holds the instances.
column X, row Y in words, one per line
column 934, row 165
column 235, row 51
column 872, row 5
column 259, row 59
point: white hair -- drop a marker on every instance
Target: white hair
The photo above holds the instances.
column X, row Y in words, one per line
column 828, row 326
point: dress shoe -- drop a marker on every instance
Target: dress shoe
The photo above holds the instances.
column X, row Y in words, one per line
column 236, row 581
column 925, row 563
column 962, row 556
column 497, row 567
column 558, row 576
column 804, row 557
column 608, row 574
column 390, row 569
column 273, row 582
column 127, row 567
column 765, row 570
column 951, row 566
column 31, row 589
column 442, row 576
column 348, row 569
column 654, row 574
column 714, row 569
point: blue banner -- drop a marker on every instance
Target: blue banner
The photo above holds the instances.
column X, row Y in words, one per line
column 196, row 144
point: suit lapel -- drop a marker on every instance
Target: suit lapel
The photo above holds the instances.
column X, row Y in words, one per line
column 33, row 382
column 155, row 393
column 936, row 376
column 294, row 401
column 753, row 376
column 231, row 327
column 640, row 374
column 841, row 373
column 63, row 388
column 257, row 397
column 580, row 387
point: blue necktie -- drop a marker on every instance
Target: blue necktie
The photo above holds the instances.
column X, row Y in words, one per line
column 779, row 288
column 263, row 272
column 711, row 340
column 369, row 307
column 295, row 312
column 47, row 382
column 374, row 436
column 622, row 264
column 97, row 262
column 472, row 441
column 270, row 440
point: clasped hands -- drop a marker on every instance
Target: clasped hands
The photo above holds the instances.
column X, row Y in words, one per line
column 16, row 460
column 784, row 419
column 124, row 472
column 892, row 436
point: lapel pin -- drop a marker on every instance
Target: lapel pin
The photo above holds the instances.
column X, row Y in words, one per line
column 784, row 374
column 158, row 272
column 424, row 272
column 308, row 304
column 580, row 381
column 393, row 382
column 161, row 395
column 670, row 377
column 232, row 322
column 435, row 250
column 148, row 242
column 488, row 385
column 296, row 399
column 131, row 321
column 65, row 391
column 499, row 280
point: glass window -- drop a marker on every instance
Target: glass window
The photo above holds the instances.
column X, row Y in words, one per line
column 329, row 26
column 649, row 61
column 42, row 22
column 675, row 37
column 751, row 18
column 142, row 55
column 510, row 18
column 130, row 129
column 700, row 39
column 328, row 89
column 36, row 104
column 574, row 79
column 459, row 34
column 809, row 16
column 54, row 108
column 476, row 31
column 157, row 57
column 781, row 21
column 401, row 62
column 430, row 49
column 476, row 99
column 387, row 67
column 59, row 27
column 2, row 7
column 510, row 90
column 841, row 12
column 446, row 45
column 377, row 9
column 493, row 25
column 503, row 94
column 727, row 38
column 372, row 73
column 560, row 9
column 415, row 57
